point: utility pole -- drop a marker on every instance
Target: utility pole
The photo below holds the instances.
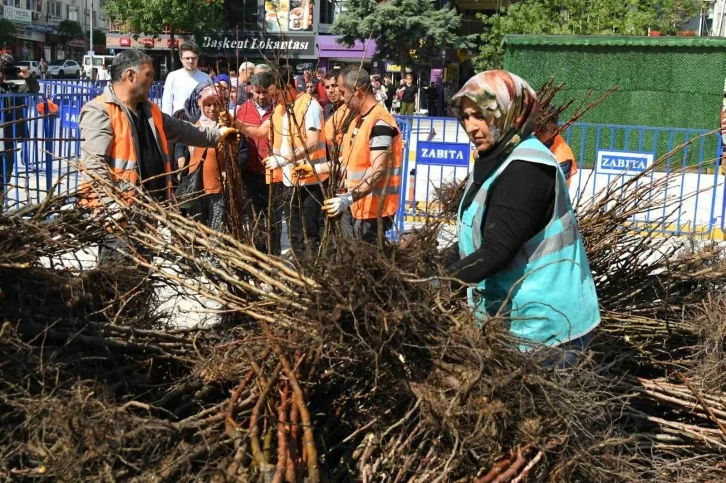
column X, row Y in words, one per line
column 90, row 35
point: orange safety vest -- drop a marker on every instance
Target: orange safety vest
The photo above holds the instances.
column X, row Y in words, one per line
column 298, row 139
column 563, row 154
column 335, row 127
column 357, row 155
column 123, row 160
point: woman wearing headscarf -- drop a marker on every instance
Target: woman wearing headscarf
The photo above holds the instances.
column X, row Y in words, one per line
column 190, row 113
column 211, row 208
column 221, row 82
column 519, row 246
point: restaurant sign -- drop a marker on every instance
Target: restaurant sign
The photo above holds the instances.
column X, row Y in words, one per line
column 261, row 43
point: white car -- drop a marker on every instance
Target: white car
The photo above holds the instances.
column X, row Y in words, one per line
column 33, row 66
column 64, row 68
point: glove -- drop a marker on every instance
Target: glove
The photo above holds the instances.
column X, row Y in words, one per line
column 304, row 171
column 275, row 161
column 335, row 206
column 225, row 131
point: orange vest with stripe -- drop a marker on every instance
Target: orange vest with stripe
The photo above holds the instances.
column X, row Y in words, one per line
column 357, row 155
column 123, row 160
column 297, row 139
column 563, row 154
column 335, row 127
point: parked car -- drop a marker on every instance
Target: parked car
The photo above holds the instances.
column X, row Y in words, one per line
column 64, row 68
column 32, row 65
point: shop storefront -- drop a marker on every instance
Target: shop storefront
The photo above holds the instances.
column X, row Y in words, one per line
column 30, row 37
column 332, row 54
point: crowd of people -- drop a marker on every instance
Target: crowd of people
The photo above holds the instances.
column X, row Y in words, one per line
column 331, row 149
column 293, row 135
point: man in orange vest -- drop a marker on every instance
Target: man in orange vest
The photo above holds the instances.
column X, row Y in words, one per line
column 297, row 137
column 372, row 158
column 549, row 135
column 124, row 138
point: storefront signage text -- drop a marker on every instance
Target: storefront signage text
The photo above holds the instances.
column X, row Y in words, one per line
column 255, row 44
column 48, row 29
column 19, row 15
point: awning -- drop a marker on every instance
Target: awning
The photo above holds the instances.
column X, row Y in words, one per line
column 328, row 47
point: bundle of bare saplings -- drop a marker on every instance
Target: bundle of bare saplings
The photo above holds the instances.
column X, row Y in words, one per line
column 357, row 365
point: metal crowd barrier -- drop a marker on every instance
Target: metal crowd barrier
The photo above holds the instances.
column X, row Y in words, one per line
column 38, row 153
column 51, row 88
column 438, row 152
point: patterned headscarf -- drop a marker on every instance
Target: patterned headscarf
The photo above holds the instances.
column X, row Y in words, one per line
column 191, row 105
column 508, row 103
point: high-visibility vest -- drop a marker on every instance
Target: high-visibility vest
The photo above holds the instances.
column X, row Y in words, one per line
column 211, row 170
column 335, row 128
column 564, row 154
column 357, row 157
column 123, row 159
column 547, row 291
column 297, row 134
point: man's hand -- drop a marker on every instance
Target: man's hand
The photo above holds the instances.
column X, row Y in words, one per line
column 275, row 161
column 23, row 72
column 225, row 131
column 335, row 206
column 304, row 171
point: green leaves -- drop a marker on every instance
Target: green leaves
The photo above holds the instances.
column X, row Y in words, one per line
column 70, row 30
column 411, row 32
column 580, row 17
column 8, row 34
column 154, row 16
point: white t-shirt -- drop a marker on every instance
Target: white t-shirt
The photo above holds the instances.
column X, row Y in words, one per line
column 178, row 87
column 313, row 120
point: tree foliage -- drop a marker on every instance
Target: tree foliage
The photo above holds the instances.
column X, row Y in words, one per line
column 70, row 30
column 580, row 17
column 151, row 17
column 8, row 34
column 410, row 32
column 99, row 37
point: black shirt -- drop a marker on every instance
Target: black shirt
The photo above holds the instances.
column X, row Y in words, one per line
column 390, row 93
column 520, row 205
column 151, row 162
column 409, row 93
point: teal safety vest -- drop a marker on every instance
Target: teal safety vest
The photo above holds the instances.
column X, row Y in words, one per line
column 547, row 291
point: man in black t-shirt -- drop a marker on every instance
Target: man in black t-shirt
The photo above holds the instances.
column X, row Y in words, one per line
column 390, row 92
column 410, row 96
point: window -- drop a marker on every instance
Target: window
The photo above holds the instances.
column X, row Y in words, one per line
column 54, row 8
column 73, row 13
column 327, row 11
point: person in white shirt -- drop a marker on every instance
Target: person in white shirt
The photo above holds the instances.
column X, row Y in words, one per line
column 245, row 72
column 180, row 83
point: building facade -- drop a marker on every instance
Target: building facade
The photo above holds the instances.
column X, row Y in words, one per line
column 37, row 25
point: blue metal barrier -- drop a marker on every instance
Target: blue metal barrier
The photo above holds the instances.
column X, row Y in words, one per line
column 22, row 164
column 52, row 88
column 437, row 148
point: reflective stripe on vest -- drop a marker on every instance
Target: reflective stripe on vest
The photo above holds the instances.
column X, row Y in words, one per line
column 122, row 160
column 546, row 291
column 357, row 157
column 123, row 157
column 297, row 134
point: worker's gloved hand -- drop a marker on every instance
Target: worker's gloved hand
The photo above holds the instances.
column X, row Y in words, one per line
column 225, row 131
column 335, row 206
column 275, row 161
column 304, row 171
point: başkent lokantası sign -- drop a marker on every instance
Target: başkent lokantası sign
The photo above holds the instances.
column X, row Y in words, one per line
column 258, row 43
